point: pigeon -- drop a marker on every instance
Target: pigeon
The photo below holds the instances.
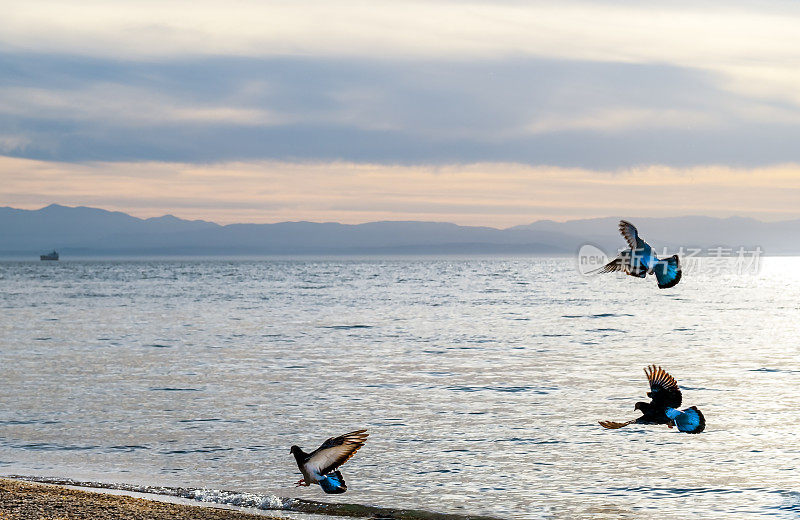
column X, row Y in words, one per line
column 663, row 408
column 320, row 466
column 639, row 260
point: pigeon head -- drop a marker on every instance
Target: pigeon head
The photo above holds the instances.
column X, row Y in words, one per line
column 641, row 406
column 299, row 455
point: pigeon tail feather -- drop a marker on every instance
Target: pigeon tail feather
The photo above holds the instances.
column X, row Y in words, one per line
column 333, row 483
column 668, row 272
column 690, row 420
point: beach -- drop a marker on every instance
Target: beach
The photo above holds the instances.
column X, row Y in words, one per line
column 26, row 500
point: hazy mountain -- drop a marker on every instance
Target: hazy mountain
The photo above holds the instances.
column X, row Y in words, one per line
column 776, row 238
column 92, row 231
column 82, row 231
column 61, row 226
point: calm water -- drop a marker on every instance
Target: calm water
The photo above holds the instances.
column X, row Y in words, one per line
column 480, row 380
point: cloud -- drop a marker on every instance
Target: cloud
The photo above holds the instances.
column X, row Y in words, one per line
column 619, row 120
column 12, row 143
column 600, row 85
column 123, row 104
column 607, row 31
column 598, row 115
column 498, row 194
column 750, row 43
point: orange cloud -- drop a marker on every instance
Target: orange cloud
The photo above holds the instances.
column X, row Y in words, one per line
column 493, row 194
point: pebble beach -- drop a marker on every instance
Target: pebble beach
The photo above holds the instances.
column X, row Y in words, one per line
column 26, row 500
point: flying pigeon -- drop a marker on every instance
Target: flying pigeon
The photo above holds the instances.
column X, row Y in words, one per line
column 319, row 466
column 639, row 260
column 663, row 408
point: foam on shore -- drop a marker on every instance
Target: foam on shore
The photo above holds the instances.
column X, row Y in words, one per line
column 262, row 502
column 22, row 500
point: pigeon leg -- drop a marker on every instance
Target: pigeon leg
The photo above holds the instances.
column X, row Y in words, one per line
column 301, row 482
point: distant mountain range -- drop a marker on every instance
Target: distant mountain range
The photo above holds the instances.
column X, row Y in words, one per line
column 82, row 231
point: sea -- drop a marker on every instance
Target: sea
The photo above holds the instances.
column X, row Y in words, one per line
column 481, row 381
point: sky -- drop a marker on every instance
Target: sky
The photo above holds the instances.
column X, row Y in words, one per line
column 482, row 113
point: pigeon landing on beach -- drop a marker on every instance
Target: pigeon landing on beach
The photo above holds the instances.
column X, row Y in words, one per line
column 319, row 466
column 662, row 409
column 639, row 260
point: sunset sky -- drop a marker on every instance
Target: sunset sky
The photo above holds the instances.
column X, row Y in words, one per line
column 485, row 113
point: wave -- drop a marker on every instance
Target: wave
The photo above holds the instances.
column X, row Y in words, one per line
column 595, row 316
column 263, row 502
column 508, row 389
column 346, row 327
column 784, row 370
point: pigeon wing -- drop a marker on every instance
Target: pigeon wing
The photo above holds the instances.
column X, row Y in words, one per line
column 664, row 390
column 622, row 264
column 615, row 265
column 614, row 425
column 629, row 233
column 335, row 451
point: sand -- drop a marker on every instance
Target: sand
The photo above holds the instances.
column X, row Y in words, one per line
column 25, row 500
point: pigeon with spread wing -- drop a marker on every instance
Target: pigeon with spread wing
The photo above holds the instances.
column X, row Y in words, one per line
column 639, row 260
column 320, row 466
column 665, row 398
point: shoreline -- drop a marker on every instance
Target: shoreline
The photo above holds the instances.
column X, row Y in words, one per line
column 23, row 500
